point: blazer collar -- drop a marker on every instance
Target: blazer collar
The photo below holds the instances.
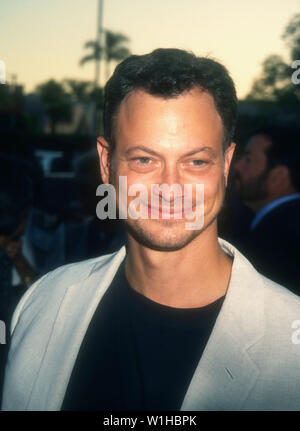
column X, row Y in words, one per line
column 226, row 373
column 70, row 323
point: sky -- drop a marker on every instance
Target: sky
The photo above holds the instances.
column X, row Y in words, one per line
column 44, row 39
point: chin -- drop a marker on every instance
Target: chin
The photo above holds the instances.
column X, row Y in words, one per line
column 161, row 235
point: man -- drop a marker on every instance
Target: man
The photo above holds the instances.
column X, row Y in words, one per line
column 177, row 320
column 267, row 180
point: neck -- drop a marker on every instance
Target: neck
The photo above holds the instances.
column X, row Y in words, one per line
column 193, row 276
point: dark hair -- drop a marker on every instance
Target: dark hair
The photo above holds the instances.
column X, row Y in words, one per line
column 168, row 73
column 284, row 149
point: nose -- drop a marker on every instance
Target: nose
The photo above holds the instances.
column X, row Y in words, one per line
column 171, row 177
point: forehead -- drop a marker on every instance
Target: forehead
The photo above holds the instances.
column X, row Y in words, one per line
column 189, row 116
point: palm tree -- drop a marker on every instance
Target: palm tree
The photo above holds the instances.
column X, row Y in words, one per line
column 57, row 102
column 114, row 49
column 80, row 90
column 96, row 52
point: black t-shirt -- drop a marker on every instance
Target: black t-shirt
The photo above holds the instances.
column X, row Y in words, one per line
column 138, row 354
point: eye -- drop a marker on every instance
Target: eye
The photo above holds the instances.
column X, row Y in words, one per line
column 196, row 165
column 197, row 162
column 142, row 164
column 143, row 160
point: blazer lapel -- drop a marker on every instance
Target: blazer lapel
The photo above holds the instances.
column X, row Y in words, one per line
column 71, row 322
column 226, row 373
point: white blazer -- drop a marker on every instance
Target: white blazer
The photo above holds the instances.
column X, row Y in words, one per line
column 250, row 361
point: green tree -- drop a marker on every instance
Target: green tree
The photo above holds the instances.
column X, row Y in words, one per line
column 274, row 80
column 85, row 92
column 6, row 97
column 97, row 95
column 95, row 54
column 274, row 83
column 114, row 49
column 57, row 102
column 79, row 90
column 291, row 36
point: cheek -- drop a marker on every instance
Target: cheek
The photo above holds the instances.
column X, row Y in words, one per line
column 248, row 176
column 253, row 170
column 122, row 169
column 123, row 186
column 214, row 188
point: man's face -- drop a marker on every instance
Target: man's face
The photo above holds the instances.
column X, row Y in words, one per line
column 250, row 171
column 170, row 141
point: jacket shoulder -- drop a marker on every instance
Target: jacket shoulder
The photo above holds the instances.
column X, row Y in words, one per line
column 282, row 314
column 280, row 297
column 53, row 285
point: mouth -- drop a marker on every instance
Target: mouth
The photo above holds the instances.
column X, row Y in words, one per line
column 172, row 211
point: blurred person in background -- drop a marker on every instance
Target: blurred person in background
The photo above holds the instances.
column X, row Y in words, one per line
column 17, row 269
column 267, row 180
column 89, row 236
column 16, row 200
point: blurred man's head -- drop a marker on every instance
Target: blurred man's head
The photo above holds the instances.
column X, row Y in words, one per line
column 169, row 119
column 269, row 167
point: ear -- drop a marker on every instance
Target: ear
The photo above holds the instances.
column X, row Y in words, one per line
column 104, row 158
column 227, row 160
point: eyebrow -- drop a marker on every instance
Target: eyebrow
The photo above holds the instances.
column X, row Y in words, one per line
column 142, row 148
column 200, row 150
column 191, row 153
